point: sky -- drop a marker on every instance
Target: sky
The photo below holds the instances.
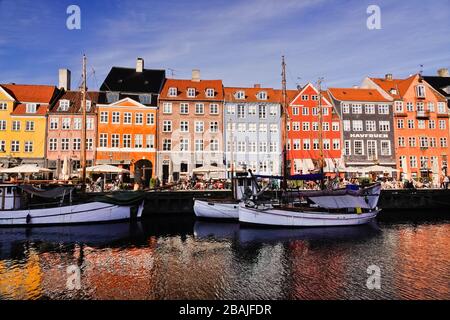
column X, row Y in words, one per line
column 240, row 42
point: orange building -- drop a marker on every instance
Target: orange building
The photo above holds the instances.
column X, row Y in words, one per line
column 421, row 125
column 127, row 137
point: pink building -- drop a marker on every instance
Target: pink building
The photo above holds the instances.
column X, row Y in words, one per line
column 65, row 130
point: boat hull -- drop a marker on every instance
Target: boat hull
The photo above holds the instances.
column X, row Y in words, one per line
column 277, row 217
column 91, row 212
column 216, row 210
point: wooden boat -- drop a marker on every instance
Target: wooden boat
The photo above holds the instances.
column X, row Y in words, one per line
column 28, row 206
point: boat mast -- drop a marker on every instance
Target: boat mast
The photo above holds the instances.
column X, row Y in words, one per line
column 284, row 168
column 232, row 158
column 321, row 155
column 83, row 125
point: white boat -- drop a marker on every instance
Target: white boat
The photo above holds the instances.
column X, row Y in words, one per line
column 19, row 207
column 216, row 209
column 329, row 208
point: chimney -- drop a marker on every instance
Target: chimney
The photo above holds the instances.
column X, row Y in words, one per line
column 443, row 72
column 355, row 87
column 196, row 75
column 388, row 76
column 257, row 85
column 139, row 65
column 64, row 79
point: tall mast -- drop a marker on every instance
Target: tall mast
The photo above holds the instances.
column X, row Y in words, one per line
column 232, row 157
column 284, row 169
column 83, row 125
column 321, row 155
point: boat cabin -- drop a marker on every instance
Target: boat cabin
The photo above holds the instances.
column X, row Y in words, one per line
column 10, row 197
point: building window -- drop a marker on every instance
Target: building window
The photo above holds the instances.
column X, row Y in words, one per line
column 412, row 162
column 63, row 105
column 412, row 142
column 90, row 124
column 442, row 109
column 442, row 124
column 263, row 147
column 167, row 126
column 356, row 108
column 199, row 145
column 420, row 91
column 433, row 143
column 371, row 125
column 347, row 126
column 296, row 126
column 191, row 92
column 115, row 140
column 411, row 124
column 167, row 145
column 167, row 108
column 358, row 147
column 139, row 118
column 316, row 144
column 54, row 123
column 273, row 110
column 116, row 117
column 53, row 144
column 315, row 98
column 28, row 146
column 252, row 127
column 240, row 95
column 89, row 144
column 400, row 124
column 138, row 141
column 345, row 108
column 3, row 106
column 66, row 123
column 385, row 148
column 305, row 111
column 184, row 126
column 65, row 144
column 305, row 126
column 88, row 105
column 76, row 144
column 295, row 111
column 199, row 108
column 252, row 146
column 357, row 125
column 401, row 141
column 127, row 118
column 325, row 126
column 409, row 106
column 15, row 146
column 315, row 126
column 306, row 144
column 214, row 145
column 173, row 92
column 347, row 148
column 184, row 108
column 443, row 142
column 241, row 146
column 199, row 126
column 262, row 112
column 240, row 111
column 296, row 144
column 384, row 126
column 150, row 118
column 336, row 144
column 127, row 140
column 273, row 128
column 231, row 109
column 16, row 125
column 383, row 109
column 399, row 106
column 335, row 126
column 214, row 126
column 150, row 141
column 262, row 95
column 262, row 127
column 210, row 93
column 326, row 144
column 431, row 106
column 31, row 108
column 371, row 150
column 421, row 124
column 77, row 123
column 213, row 108
column 103, row 140
column 241, row 127
column 104, row 117
column 369, row 109
column 423, row 142
column 315, row 111
column 305, row 97
column 184, row 167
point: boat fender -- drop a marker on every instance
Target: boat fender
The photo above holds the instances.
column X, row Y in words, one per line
column 28, row 218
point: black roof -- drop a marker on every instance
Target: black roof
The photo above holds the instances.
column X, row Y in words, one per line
column 439, row 83
column 128, row 80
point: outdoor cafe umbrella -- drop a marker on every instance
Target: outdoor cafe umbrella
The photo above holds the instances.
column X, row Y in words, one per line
column 25, row 169
column 378, row 168
column 208, row 169
column 106, row 168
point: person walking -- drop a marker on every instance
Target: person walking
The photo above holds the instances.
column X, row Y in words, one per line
column 446, row 182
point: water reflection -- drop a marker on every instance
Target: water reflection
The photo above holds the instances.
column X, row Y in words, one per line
column 187, row 259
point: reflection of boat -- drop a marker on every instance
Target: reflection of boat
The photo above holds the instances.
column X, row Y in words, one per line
column 235, row 231
column 216, row 230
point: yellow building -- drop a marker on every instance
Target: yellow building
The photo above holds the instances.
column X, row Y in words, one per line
column 23, row 124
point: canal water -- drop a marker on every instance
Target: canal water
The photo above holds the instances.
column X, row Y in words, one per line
column 175, row 258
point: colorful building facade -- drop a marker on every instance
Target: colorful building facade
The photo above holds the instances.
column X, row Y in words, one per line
column 23, row 123
column 64, row 137
column 252, row 136
column 367, row 127
column 190, row 126
column 421, row 125
column 306, row 121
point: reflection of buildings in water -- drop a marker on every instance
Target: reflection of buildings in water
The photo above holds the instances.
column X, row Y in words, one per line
column 22, row 281
column 422, row 263
column 316, row 274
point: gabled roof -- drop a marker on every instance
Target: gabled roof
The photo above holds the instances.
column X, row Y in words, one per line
column 301, row 92
column 200, row 87
column 251, row 94
column 74, row 98
column 128, row 80
column 439, row 83
column 127, row 102
column 31, row 93
column 400, row 85
column 357, row 94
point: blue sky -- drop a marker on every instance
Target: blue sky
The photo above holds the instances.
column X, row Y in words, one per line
column 240, row 42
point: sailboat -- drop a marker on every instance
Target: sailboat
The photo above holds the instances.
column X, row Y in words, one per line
column 28, row 206
column 343, row 207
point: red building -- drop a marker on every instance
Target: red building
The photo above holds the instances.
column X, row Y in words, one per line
column 304, row 128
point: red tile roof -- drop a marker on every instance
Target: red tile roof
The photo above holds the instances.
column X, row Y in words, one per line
column 401, row 85
column 200, row 87
column 21, row 109
column 74, row 98
column 31, row 93
column 251, row 94
column 357, row 94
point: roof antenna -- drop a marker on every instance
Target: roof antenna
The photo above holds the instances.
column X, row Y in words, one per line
column 172, row 72
column 298, row 85
column 421, row 72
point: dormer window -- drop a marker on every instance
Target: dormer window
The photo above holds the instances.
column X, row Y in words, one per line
column 262, row 95
column 112, row 97
column 88, row 105
column 191, row 92
column 210, row 93
column 31, row 107
column 145, row 98
column 63, row 105
column 240, row 95
column 393, row 91
column 173, row 92
column 420, row 91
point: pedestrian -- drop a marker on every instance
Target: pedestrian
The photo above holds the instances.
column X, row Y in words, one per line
column 446, row 182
